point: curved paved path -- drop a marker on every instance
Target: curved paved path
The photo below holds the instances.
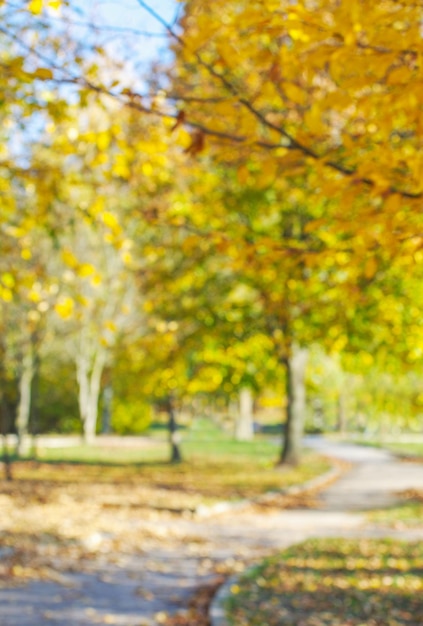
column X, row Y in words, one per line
column 137, row 588
column 375, row 478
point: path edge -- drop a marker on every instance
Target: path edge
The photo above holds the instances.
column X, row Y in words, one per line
column 217, row 612
column 317, row 482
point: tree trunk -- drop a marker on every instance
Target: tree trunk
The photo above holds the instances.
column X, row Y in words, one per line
column 34, row 414
column 89, row 379
column 244, row 426
column 296, row 404
column 4, row 415
column 175, row 452
column 24, row 406
column 5, row 424
column 106, row 417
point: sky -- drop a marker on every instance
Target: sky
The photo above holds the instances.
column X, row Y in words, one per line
column 129, row 12
column 136, row 31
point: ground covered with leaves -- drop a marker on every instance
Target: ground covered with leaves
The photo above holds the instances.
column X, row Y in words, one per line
column 48, row 528
column 333, row 582
column 58, row 517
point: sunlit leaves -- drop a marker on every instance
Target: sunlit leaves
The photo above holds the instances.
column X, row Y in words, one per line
column 44, row 73
column 65, row 307
column 36, row 6
column 328, row 82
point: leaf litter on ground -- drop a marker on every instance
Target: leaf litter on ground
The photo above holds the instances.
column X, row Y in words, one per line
column 333, row 582
column 408, row 513
column 59, row 518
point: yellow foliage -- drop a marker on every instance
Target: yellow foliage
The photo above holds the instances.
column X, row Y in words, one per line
column 26, row 254
column 103, row 140
column 313, row 120
column 334, row 82
column 6, row 294
column 243, row 174
column 85, row 269
column 127, row 257
column 96, row 280
column 393, row 203
column 97, row 206
column 147, row 169
column 339, row 344
column 110, row 325
column 44, row 73
column 399, row 76
column 34, row 295
column 370, row 268
column 295, row 93
column 120, row 167
column 64, row 307
column 69, row 258
column 266, row 177
column 111, row 221
column 148, row 306
column 35, row 6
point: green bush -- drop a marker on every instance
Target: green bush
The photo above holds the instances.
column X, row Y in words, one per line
column 130, row 417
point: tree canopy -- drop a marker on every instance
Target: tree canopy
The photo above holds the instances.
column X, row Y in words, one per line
column 257, row 191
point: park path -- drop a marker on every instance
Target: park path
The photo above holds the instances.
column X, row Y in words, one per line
column 139, row 589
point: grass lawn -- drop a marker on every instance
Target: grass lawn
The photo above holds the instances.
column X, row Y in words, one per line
column 402, row 448
column 333, row 582
column 407, row 514
column 409, row 449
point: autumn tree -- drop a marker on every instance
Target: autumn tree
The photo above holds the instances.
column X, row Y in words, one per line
column 317, row 91
column 98, row 299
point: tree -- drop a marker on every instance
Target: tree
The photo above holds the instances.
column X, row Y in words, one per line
column 319, row 94
column 97, row 305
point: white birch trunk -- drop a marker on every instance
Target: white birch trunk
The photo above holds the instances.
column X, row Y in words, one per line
column 244, row 427
column 89, row 378
column 24, row 406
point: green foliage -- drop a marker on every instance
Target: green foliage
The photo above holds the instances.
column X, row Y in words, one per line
column 333, row 582
column 131, row 416
column 55, row 401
